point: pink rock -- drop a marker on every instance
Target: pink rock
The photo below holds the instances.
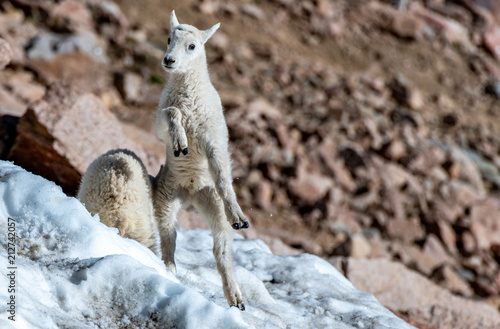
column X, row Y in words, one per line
column 468, row 171
column 310, row 187
column 264, row 194
column 78, row 60
column 6, row 53
column 401, row 289
column 10, row 104
column 426, row 160
column 253, row 11
column 60, row 135
column 284, row 137
column 492, row 40
column 360, row 247
column 114, row 24
column 462, row 193
column 407, row 26
column 396, row 176
column 337, row 168
column 468, row 242
column 406, row 94
column 261, row 108
column 448, row 236
column 452, row 30
column 446, row 211
column 434, row 248
column 402, row 24
column 407, row 230
column 396, row 150
column 448, row 278
column 209, row 7
column 22, row 84
column 129, row 84
column 495, row 9
column 72, row 14
column 485, row 223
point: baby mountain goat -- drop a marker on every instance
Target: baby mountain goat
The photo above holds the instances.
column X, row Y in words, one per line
column 117, row 187
column 198, row 167
column 197, row 171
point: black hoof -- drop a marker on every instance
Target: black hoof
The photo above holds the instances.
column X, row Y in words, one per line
column 185, row 151
column 177, row 153
column 241, row 306
column 236, row 226
column 246, row 224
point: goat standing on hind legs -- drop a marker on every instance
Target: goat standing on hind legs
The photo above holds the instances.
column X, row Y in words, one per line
column 197, row 171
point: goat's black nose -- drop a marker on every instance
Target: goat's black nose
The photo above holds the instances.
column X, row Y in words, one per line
column 168, row 61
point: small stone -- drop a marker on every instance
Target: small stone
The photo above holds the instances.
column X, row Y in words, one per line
column 433, row 247
column 111, row 98
column 261, row 108
column 485, row 224
column 448, row 236
column 264, row 194
column 406, row 95
column 407, row 230
column 484, row 287
column 336, row 168
column 6, row 53
column 253, row 11
column 71, row 15
column 446, row 211
column 114, row 23
column 310, row 187
column 78, row 60
column 129, row 84
column 426, row 160
column 447, row 277
column 451, row 30
column 492, row 40
column 468, row 243
column 462, row 193
column 397, row 149
column 360, row 247
column 407, row 26
column 209, row 7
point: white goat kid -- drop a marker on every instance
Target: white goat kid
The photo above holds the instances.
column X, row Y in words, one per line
column 190, row 121
column 117, row 187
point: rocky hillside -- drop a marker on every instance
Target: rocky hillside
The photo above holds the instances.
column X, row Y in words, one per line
column 362, row 131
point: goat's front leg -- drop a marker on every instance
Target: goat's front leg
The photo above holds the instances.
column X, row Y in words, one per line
column 220, row 168
column 169, row 120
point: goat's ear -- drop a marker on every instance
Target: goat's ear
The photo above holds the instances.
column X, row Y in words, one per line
column 205, row 35
column 173, row 20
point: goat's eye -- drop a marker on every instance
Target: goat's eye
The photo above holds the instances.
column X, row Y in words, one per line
column 168, row 41
column 192, row 46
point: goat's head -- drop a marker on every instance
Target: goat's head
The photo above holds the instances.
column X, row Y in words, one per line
column 185, row 45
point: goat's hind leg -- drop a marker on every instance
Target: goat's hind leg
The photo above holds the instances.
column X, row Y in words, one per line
column 210, row 205
column 166, row 210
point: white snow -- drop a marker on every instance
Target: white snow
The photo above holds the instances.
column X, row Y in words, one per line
column 71, row 271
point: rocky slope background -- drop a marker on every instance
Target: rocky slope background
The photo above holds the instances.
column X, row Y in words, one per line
column 365, row 132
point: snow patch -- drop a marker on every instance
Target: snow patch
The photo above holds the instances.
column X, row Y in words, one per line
column 74, row 272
